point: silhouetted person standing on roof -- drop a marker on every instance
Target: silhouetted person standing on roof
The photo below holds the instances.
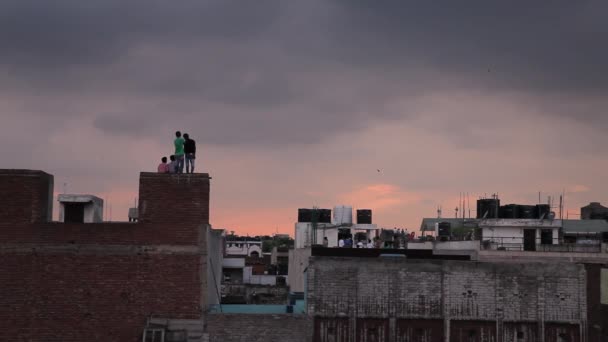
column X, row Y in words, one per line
column 190, row 150
column 179, row 151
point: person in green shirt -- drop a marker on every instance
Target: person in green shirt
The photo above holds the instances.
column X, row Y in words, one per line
column 179, row 151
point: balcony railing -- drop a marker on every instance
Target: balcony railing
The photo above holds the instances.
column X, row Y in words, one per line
column 538, row 245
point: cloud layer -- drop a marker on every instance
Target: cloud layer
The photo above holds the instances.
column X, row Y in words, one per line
column 298, row 103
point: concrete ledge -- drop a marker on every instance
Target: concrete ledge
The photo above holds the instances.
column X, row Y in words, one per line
column 174, row 175
column 99, row 249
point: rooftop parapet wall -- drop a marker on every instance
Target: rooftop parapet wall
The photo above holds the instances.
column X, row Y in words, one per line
column 174, row 211
column 26, row 196
column 174, row 198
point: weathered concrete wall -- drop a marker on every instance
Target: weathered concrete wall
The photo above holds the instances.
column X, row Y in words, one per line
column 453, row 292
column 215, row 257
column 298, row 262
column 100, row 282
column 259, row 328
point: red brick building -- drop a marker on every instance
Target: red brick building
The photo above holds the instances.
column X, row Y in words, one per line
column 101, row 281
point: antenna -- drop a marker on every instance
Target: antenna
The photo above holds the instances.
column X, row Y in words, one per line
column 469, row 204
column 561, row 203
column 65, row 188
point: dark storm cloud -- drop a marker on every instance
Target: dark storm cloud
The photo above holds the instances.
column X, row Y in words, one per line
column 542, row 45
column 71, row 32
column 276, row 72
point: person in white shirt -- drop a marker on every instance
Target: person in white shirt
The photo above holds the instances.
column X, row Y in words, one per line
column 370, row 244
column 341, row 243
column 360, row 244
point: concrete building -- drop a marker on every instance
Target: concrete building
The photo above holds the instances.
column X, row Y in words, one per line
column 80, row 208
column 243, row 246
column 406, row 299
column 519, row 234
column 308, row 234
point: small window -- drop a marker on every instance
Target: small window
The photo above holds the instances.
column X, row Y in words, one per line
column 546, row 236
column 154, row 335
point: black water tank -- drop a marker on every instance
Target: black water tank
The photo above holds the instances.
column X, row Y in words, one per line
column 304, row 215
column 444, row 229
column 527, row 211
column 364, row 216
column 324, row 216
column 509, row 211
column 489, row 206
column 542, row 211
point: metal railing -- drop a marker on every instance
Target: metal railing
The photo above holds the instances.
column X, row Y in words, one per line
column 517, row 243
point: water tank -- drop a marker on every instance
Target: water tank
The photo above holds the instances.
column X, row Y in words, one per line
column 304, row 215
column 324, row 216
column 343, row 214
column 527, row 211
column 444, row 229
column 542, row 211
column 509, row 211
column 488, row 208
column 364, row 216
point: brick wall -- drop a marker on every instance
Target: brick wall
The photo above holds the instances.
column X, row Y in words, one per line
column 100, row 282
column 259, row 328
column 174, row 198
column 27, row 196
column 457, row 293
column 93, row 297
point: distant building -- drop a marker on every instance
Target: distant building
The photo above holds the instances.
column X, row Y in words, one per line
column 310, row 231
column 243, row 246
column 80, row 208
column 594, row 211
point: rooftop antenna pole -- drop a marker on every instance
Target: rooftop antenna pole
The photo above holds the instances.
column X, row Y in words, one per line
column 463, row 207
column 564, row 200
column 459, row 202
column 469, row 204
column 539, row 197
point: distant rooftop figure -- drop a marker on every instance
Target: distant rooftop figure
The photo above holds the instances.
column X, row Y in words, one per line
column 80, row 208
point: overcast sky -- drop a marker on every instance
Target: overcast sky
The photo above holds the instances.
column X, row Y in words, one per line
column 299, row 103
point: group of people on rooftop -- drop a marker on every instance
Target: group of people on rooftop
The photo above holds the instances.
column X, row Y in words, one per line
column 185, row 150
